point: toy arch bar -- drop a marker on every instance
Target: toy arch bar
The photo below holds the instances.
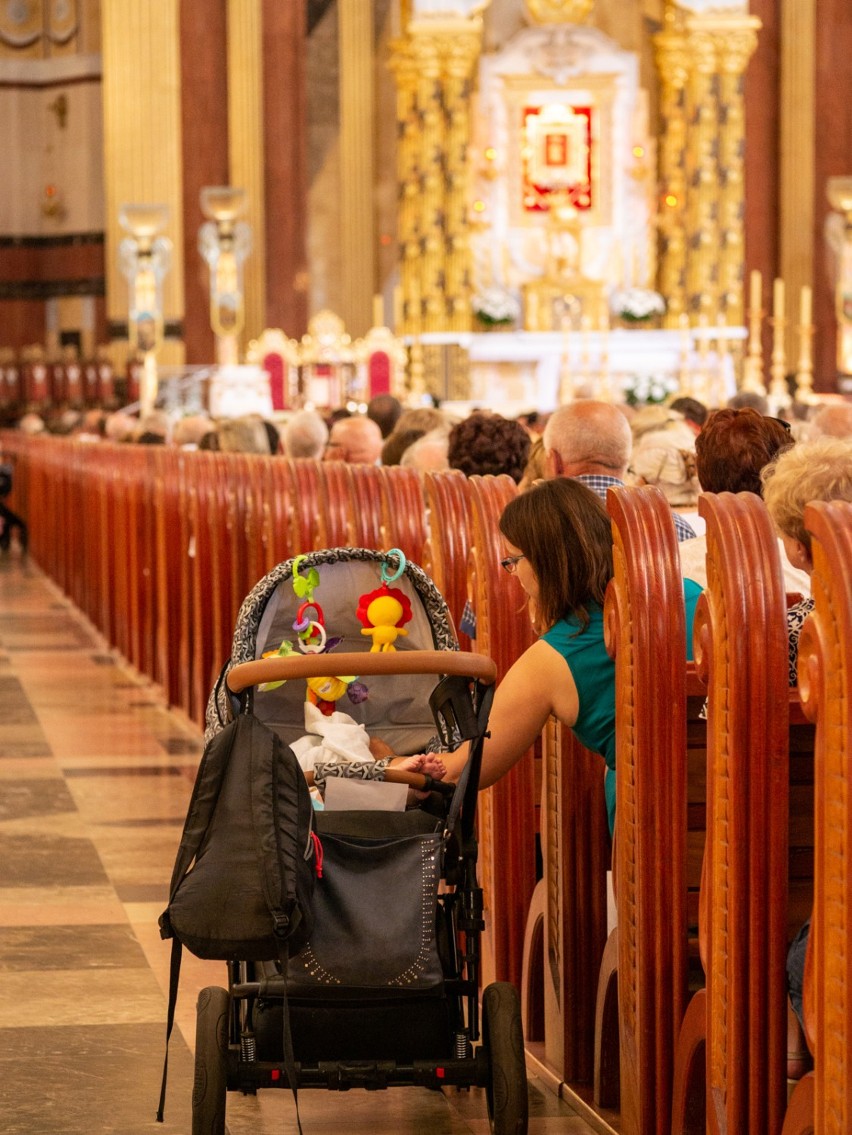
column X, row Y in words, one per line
column 443, row 662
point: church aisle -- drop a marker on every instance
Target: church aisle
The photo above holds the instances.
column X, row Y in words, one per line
column 95, row 778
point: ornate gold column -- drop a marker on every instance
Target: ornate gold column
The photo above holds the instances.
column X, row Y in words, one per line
column 798, row 124
column 701, row 60
column 355, row 21
column 702, row 175
column 245, row 145
column 434, row 64
column 734, row 49
column 671, row 58
column 142, row 145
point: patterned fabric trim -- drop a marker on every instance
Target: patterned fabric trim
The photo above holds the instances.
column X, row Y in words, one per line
column 350, row 770
column 796, row 616
column 219, row 708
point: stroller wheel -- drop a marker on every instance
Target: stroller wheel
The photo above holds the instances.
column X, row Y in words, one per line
column 211, row 1045
column 502, row 1036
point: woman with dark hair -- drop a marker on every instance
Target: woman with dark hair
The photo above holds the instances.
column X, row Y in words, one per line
column 559, row 546
column 488, row 443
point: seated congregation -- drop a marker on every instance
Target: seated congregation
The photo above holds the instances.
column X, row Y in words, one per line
column 590, row 594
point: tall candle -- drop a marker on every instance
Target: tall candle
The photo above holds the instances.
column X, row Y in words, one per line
column 778, row 299
column 806, row 306
column 756, row 283
column 378, row 311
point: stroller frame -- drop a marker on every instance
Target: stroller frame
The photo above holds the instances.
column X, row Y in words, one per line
column 482, row 1049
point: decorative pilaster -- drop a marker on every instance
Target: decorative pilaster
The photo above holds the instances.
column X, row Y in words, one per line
column 797, row 197
column 434, row 64
column 734, row 49
column 702, row 60
column 671, row 59
column 142, row 145
column 355, row 21
column 245, row 144
column 702, row 282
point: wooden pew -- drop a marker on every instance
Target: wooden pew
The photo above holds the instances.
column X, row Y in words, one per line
column 645, row 629
column 731, row 1058
column 403, row 512
column 334, row 519
column 365, row 504
column 822, row 1100
column 447, row 550
column 305, row 531
column 567, row 919
column 506, row 817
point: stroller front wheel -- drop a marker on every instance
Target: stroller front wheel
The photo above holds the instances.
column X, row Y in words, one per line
column 503, row 1038
column 209, row 1091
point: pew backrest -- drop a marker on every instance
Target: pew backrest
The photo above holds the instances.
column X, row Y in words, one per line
column 825, row 682
column 645, row 631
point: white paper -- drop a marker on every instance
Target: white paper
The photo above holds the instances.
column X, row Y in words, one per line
column 344, row 794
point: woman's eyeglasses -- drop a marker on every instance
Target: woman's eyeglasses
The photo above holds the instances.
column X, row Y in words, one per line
column 510, row 564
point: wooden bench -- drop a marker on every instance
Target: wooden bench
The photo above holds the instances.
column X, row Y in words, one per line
column 507, row 811
column 447, row 551
column 731, row 1055
column 645, row 629
column 822, row 1100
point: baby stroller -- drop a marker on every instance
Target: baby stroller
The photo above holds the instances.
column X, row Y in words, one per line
column 387, row 990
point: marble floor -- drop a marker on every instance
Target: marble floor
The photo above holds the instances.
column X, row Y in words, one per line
column 95, row 778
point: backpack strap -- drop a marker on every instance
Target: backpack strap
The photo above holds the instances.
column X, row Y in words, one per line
column 174, row 977
column 205, row 793
column 277, row 987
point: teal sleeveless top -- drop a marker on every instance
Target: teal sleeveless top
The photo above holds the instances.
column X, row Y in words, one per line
column 594, row 676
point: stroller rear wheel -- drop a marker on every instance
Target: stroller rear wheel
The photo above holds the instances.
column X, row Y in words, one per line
column 209, row 1090
column 502, row 1035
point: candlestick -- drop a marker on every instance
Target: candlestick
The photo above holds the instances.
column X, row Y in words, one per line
column 778, row 394
column 805, row 366
column 778, row 300
column 806, row 306
column 756, row 286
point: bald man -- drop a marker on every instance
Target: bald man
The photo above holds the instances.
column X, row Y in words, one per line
column 591, row 442
column 357, row 440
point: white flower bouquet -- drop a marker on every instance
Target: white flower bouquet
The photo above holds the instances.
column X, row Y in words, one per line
column 496, row 307
column 649, row 389
column 636, row 305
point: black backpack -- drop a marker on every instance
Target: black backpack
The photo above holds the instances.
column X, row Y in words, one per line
column 244, row 874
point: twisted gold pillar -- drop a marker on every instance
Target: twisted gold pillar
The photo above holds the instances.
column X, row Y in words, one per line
column 702, row 60
column 433, row 65
column 702, row 210
column 673, row 69
column 797, row 198
column 734, row 49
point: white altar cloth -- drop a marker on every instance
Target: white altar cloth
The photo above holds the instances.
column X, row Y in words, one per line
column 518, row 371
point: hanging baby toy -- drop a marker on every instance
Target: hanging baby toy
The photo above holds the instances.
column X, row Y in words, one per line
column 384, row 611
column 313, row 638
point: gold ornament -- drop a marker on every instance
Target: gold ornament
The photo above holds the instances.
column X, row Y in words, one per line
column 559, row 11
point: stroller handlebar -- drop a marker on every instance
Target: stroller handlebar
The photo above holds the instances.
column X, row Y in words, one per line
column 282, row 668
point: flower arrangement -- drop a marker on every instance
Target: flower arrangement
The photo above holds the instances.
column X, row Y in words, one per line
column 636, row 305
column 649, row 389
column 495, row 307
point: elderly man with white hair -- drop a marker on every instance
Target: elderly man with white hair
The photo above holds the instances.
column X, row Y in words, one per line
column 591, row 442
column 305, row 435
